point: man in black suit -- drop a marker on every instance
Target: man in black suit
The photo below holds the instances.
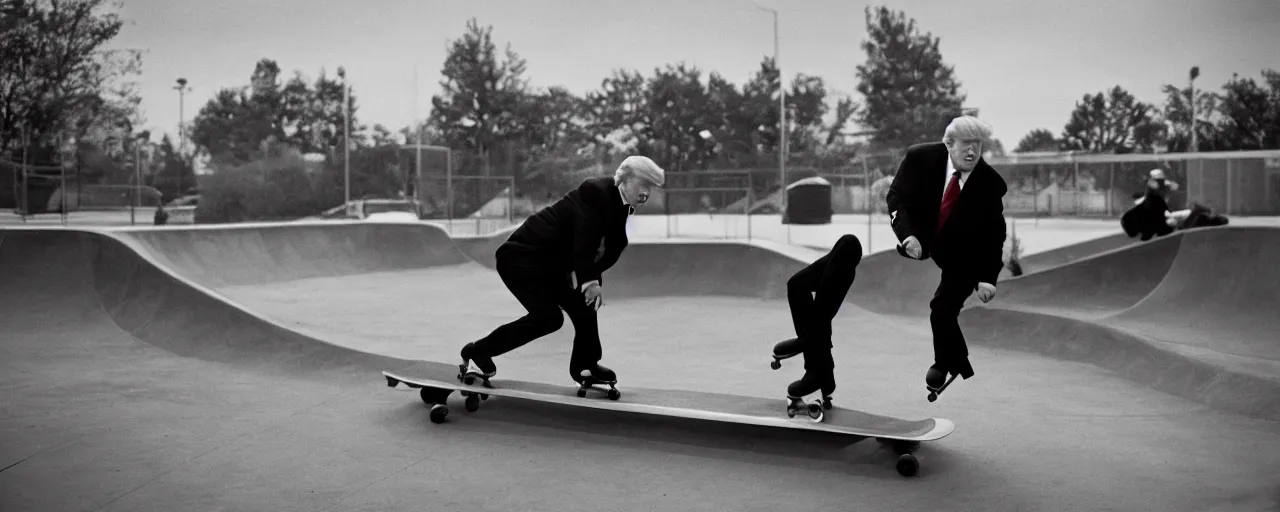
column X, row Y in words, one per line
column 946, row 203
column 555, row 260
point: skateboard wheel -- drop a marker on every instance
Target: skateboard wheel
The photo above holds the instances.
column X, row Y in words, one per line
column 426, row 396
column 614, row 394
column 933, row 396
column 582, row 392
column 908, row 465
column 439, row 412
column 815, row 412
column 775, row 364
column 472, row 403
column 469, row 380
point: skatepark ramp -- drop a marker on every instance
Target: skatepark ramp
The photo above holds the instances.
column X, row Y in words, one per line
column 1192, row 314
column 54, row 277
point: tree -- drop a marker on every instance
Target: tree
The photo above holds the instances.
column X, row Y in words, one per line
column 909, row 93
column 1177, row 119
column 312, row 114
column 58, row 81
column 1038, row 139
column 173, row 173
column 383, row 136
column 618, row 114
column 807, row 101
column 1112, row 121
column 481, row 96
column 1251, row 112
column 235, row 124
column 678, row 113
column 846, row 107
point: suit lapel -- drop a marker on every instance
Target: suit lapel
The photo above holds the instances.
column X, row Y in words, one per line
column 939, row 174
column 976, row 179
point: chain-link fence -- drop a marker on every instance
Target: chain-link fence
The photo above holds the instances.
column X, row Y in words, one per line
column 75, row 194
column 1091, row 185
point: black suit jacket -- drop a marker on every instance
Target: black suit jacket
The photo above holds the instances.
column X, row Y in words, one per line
column 972, row 241
column 583, row 233
column 1147, row 218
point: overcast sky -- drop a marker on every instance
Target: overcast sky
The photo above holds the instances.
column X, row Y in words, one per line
column 1024, row 63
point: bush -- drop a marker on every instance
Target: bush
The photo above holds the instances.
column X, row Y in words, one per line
column 1014, row 262
column 276, row 188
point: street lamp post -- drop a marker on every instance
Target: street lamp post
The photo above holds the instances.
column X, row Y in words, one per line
column 782, row 111
column 346, row 134
column 137, row 182
column 1195, row 73
column 182, row 129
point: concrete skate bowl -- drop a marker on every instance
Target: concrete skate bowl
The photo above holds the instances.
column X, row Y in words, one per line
column 1067, row 254
column 234, row 255
column 1095, row 286
column 663, row 268
column 56, row 276
column 1192, row 314
column 890, row 284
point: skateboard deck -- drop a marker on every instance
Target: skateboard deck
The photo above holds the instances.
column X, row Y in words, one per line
column 904, row 435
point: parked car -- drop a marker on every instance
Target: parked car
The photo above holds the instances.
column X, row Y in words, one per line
column 378, row 210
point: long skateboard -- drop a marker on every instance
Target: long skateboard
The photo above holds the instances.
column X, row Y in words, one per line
column 904, row 436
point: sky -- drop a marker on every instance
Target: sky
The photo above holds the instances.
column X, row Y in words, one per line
column 1023, row 63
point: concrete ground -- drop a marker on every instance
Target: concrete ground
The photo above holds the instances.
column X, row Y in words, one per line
column 96, row 419
column 1033, row 434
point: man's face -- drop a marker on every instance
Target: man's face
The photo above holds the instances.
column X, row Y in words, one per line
column 636, row 191
column 965, row 153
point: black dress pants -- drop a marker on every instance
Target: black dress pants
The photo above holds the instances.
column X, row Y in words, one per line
column 543, row 293
column 815, row 295
column 950, row 352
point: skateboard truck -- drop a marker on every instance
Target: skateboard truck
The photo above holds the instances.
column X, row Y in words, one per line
column 587, row 383
column 814, row 409
column 934, row 392
column 469, row 378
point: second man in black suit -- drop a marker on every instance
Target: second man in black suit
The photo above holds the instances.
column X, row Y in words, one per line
column 946, row 203
column 555, row 261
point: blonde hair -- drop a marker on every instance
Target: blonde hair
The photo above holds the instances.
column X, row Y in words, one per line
column 641, row 167
column 966, row 127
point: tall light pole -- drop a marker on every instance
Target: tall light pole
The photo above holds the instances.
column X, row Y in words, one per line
column 346, row 135
column 782, row 110
column 1195, row 73
column 137, row 181
column 182, row 129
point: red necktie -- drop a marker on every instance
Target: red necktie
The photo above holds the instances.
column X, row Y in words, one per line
column 948, row 200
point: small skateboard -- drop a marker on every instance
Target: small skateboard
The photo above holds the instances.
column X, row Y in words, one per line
column 904, row 436
column 785, row 349
column 934, row 392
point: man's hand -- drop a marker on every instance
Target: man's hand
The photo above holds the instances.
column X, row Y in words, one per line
column 986, row 292
column 593, row 295
column 912, row 246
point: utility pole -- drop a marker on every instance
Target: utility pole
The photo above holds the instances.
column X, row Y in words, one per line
column 346, row 135
column 182, row 129
column 1195, row 73
column 782, row 111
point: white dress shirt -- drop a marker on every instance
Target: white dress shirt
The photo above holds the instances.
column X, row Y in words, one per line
column 951, row 169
